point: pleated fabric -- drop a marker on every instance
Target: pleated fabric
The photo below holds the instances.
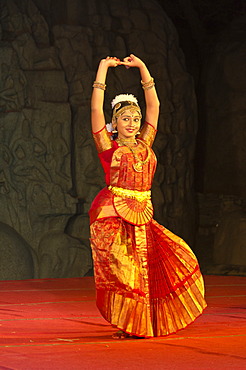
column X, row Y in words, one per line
column 148, row 281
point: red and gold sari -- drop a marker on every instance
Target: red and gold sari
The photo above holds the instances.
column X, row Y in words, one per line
column 147, row 279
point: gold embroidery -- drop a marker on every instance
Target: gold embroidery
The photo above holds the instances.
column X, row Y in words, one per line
column 133, row 211
column 121, row 169
column 148, row 134
column 131, row 296
column 133, row 206
column 140, row 196
column 102, row 140
column 138, row 165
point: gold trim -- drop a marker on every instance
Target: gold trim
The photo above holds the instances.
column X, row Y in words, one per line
column 138, row 165
column 147, row 134
column 102, row 140
column 140, row 196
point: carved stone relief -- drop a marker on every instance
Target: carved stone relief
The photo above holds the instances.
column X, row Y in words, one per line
column 224, row 86
column 35, row 140
column 49, row 167
column 225, row 170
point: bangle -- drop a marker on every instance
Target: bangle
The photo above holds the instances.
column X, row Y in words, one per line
column 99, row 85
column 148, row 85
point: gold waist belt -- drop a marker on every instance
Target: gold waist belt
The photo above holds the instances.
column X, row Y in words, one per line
column 140, row 196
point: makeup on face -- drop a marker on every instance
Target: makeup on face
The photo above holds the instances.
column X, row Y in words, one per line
column 128, row 124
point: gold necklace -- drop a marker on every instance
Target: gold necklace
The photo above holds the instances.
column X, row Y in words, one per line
column 125, row 141
column 138, row 165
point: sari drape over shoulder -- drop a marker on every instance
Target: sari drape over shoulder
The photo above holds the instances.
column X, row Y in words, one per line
column 148, row 280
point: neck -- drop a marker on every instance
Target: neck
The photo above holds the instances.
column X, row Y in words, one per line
column 127, row 139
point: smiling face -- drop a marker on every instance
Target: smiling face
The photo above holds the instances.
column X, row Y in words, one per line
column 128, row 124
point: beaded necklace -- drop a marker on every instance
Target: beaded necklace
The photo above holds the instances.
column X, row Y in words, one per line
column 138, row 165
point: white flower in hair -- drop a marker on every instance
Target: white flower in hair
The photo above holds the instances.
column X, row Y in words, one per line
column 123, row 97
column 109, row 127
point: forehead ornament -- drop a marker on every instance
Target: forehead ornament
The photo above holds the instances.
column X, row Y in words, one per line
column 122, row 103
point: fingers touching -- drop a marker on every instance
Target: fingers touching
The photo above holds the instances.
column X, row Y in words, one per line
column 129, row 61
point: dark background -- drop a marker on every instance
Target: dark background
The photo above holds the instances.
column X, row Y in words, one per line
column 49, row 171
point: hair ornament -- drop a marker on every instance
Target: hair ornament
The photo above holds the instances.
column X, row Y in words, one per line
column 109, row 127
column 122, row 98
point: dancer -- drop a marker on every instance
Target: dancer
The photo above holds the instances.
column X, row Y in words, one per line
column 148, row 281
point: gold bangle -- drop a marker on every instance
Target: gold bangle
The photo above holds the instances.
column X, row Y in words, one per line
column 150, row 82
column 99, row 85
column 148, row 87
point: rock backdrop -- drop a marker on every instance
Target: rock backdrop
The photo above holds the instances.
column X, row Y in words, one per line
column 224, row 81
column 49, row 168
column 222, row 206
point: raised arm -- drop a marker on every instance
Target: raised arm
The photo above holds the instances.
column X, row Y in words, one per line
column 151, row 98
column 99, row 86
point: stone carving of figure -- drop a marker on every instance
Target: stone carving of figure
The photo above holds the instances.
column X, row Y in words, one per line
column 61, row 255
column 17, row 257
column 59, row 152
column 28, row 152
column 8, row 192
column 7, row 91
column 12, row 87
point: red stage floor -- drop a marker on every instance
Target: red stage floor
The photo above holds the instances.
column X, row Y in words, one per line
column 54, row 324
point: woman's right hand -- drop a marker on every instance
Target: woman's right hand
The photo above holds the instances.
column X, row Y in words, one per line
column 97, row 99
column 110, row 62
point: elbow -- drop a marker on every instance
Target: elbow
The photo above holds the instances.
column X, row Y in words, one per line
column 157, row 102
column 154, row 103
column 96, row 110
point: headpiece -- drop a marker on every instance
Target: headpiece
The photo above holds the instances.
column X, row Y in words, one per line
column 124, row 97
column 124, row 102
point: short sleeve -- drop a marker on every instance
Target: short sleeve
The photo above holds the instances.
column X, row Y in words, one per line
column 102, row 140
column 148, row 133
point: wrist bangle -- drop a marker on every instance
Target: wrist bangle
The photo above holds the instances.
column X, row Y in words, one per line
column 99, row 85
column 150, row 82
column 148, row 85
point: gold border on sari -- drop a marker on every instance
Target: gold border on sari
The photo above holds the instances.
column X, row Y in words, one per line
column 102, row 140
column 148, row 134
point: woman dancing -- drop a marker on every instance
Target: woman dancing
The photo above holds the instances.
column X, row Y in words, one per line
column 147, row 279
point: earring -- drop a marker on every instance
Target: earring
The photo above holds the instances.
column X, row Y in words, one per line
column 114, row 131
column 138, row 133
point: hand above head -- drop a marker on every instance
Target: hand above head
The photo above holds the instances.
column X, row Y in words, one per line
column 132, row 61
column 111, row 61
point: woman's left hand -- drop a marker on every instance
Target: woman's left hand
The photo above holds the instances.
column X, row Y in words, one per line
column 132, row 61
